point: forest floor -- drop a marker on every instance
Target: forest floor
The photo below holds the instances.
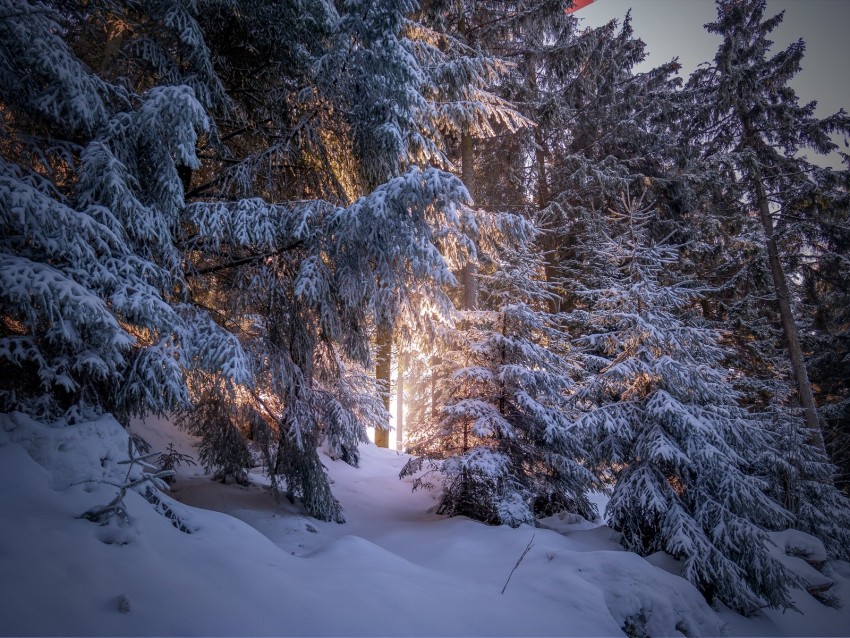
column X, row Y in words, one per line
column 252, row 566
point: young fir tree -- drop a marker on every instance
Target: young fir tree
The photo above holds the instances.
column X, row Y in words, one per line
column 499, row 437
column 663, row 417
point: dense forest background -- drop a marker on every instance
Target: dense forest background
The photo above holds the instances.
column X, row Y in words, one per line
column 244, row 213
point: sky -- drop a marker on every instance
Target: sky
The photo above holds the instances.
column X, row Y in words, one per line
column 674, row 28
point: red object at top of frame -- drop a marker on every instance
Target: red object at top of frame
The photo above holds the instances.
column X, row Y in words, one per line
column 579, row 4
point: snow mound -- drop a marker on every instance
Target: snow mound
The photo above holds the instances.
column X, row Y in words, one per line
column 86, row 452
column 393, row 569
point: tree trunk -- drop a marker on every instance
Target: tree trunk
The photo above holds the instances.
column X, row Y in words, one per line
column 185, row 175
column 434, row 363
column 399, row 402
column 112, row 47
column 548, row 239
column 789, row 326
column 383, row 364
column 468, row 278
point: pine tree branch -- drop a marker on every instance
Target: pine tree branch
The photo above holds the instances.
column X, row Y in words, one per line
column 245, row 260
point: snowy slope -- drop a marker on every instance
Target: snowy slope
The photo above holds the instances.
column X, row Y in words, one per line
column 256, row 567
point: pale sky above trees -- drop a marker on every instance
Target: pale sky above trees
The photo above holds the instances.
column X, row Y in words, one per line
column 673, row 28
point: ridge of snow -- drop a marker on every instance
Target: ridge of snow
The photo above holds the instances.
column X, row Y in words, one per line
column 395, row 568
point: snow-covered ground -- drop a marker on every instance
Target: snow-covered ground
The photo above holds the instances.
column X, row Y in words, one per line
column 255, row 567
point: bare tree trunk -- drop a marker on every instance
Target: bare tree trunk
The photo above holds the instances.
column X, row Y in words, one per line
column 468, row 277
column 548, row 240
column 113, row 45
column 399, row 402
column 540, row 152
column 468, row 274
column 434, row 364
column 383, row 365
column 786, row 316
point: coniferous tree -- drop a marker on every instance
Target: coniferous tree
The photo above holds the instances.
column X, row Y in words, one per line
column 660, row 411
column 796, row 473
column 354, row 249
column 749, row 122
column 498, row 435
column 295, row 287
column 821, row 258
column 771, row 213
column 601, row 128
column 92, row 281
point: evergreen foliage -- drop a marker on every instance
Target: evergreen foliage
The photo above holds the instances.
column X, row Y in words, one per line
column 499, row 437
column 751, row 133
column 662, row 414
column 90, row 203
column 118, row 321
column 318, row 274
column 798, row 476
column 330, row 273
column 750, row 123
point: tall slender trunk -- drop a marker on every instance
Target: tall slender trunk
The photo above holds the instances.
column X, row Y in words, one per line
column 433, row 364
column 383, row 364
column 399, row 402
column 786, row 316
column 783, row 299
column 113, row 45
column 548, row 239
column 540, row 152
column 502, row 394
column 468, row 278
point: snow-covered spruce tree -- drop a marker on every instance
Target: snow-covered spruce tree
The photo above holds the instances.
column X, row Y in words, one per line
column 324, row 270
column 322, row 273
column 349, row 247
column 499, row 437
column 750, row 124
column 751, row 132
column 595, row 118
column 797, row 473
column 89, row 201
column 450, row 103
column 664, row 420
